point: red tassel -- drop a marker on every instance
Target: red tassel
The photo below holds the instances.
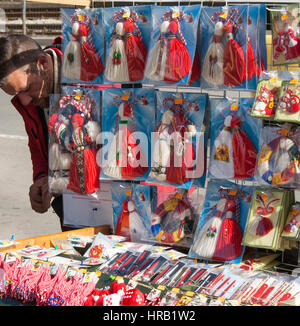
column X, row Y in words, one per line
column 229, row 245
column 136, row 53
column 178, row 62
column 252, row 66
column 264, row 226
column 244, row 152
column 122, row 227
column 196, row 70
column 234, row 65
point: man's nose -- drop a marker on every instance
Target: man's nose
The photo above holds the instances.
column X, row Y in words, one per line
column 25, row 99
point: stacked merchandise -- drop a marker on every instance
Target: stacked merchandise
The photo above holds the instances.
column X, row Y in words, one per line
column 150, row 143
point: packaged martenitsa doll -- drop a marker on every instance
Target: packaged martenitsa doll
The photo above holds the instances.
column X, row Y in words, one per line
column 219, row 232
column 127, row 121
column 174, row 215
column 75, row 121
column 179, row 139
column 82, row 46
column 127, row 35
column 278, row 156
column 285, row 34
column 224, row 47
column 173, row 45
column 288, row 108
column 234, row 139
column 131, row 210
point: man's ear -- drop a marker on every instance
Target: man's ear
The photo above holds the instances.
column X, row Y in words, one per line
column 43, row 62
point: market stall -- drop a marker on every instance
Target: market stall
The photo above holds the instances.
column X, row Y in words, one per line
column 175, row 144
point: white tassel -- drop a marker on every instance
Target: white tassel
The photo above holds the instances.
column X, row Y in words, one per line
column 72, row 58
column 158, row 56
column 93, row 129
column 221, row 161
column 212, row 70
column 117, row 72
column 136, row 226
column 205, row 244
column 161, row 149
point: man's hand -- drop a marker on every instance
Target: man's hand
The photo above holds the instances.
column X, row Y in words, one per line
column 39, row 195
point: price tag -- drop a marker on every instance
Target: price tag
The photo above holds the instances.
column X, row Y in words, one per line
column 125, row 97
column 294, row 81
column 178, row 101
column 223, row 15
column 284, row 17
column 234, row 108
column 128, row 192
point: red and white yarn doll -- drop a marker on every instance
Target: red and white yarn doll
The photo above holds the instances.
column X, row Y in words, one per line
column 286, row 42
column 229, row 245
column 212, row 70
column 84, row 173
column 262, row 223
column 290, row 102
column 126, row 158
column 59, row 157
column 182, row 152
column 161, row 148
column 80, row 60
column 127, row 54
column 221, row 163
column 243, row 151
column 130, row 223
column 169, row 60
column 207, row 239
column 234, row 65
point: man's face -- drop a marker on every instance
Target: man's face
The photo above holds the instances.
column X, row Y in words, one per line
column 31, row 88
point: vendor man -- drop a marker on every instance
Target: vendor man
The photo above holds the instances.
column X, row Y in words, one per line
column 30, row 74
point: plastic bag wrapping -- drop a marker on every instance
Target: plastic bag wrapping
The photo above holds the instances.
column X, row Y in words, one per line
column 285, row 26
column 291, row 227
column 131, row 210
column 179, row 140
column 278, row 156
column 128, row 117
column 222, row 221
column 234, row 139
column 266, row 218
column 268, row 93
column 172, row 46
column 83, row 45
column 231, row 56
column 73, row 128
column 174, row 215
column 288, row 108
column 127, row 31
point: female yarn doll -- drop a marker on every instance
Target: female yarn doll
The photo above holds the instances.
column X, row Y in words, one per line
column 59, row 156
column 126, row 160
column 130, row 223
column 169, row 60
column 229, row 244
column 127, row 55
column 84, row 174
column 81, row 60
column 212, row 70
column 234, row 65
column 285, row 43
column 207, row 239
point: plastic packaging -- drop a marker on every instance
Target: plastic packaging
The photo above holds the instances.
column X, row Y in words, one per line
column 231, row 56
column 131, row 210
column 278, row 157
column 220, row 228
column 234, row 139
column 173, row 45
column 179, row 140
column 285, row 34
column 127, row 36
column 82, row 46
column 288, row 108
column 266, row 218
column 292, row 224
column 74, row 126
column 128, row 117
